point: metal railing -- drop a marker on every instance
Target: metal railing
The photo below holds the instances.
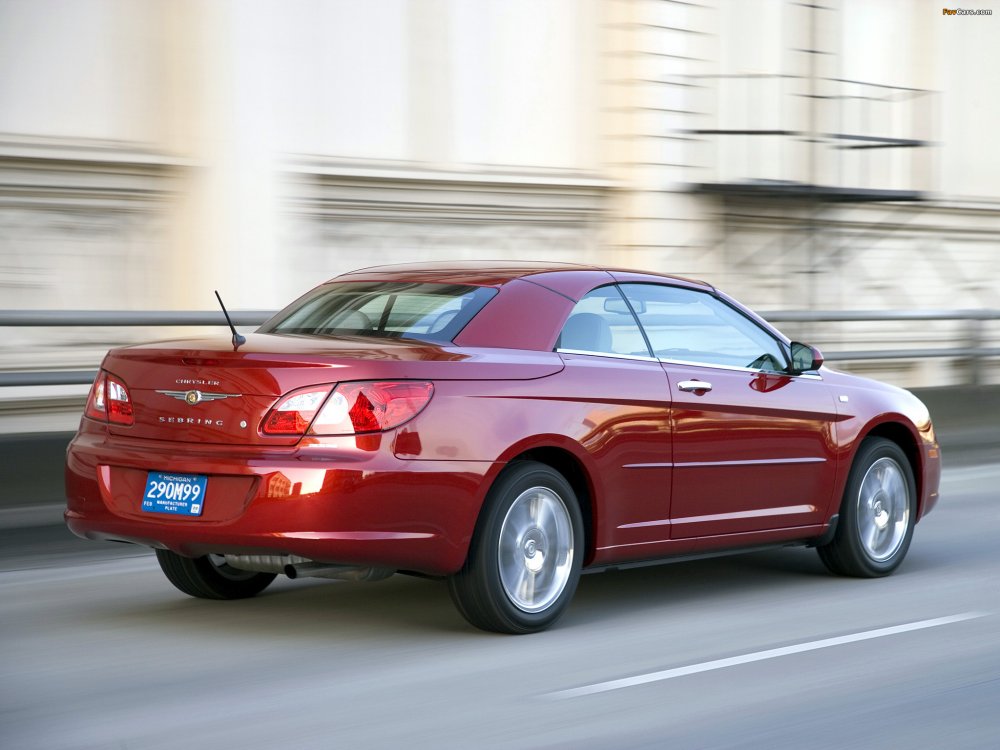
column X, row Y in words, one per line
column 118, row 318
column 108, row 318
column 972, row 347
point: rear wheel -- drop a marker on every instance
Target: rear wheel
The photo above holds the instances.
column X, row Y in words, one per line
column 210, row 577
column 525, row 558
column 877, row 514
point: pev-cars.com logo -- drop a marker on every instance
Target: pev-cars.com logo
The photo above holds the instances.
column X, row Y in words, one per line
column 966, row 12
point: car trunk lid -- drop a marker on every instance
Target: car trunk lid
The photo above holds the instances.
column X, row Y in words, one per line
column 202, row 390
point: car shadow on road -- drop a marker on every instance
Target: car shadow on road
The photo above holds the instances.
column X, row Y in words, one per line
column 702, row 579
column 302, row 609
column 407, row 606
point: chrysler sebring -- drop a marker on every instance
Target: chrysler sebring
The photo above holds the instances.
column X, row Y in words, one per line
column 501, row 426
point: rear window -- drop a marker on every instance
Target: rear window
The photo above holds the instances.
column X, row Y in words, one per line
column 430, row 312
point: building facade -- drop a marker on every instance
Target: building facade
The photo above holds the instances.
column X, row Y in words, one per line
column 800, row 157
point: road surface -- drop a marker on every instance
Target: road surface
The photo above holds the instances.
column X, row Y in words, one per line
column 766, row 650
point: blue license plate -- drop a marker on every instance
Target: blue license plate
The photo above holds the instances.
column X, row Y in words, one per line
column 175, row 494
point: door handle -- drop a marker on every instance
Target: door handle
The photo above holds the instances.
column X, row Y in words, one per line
column 694, row 385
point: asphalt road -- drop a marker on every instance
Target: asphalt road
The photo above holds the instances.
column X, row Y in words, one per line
column 97, row 650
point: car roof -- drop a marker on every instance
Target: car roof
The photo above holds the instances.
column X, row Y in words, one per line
column 499, row 272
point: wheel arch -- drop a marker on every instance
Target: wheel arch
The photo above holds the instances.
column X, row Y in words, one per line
column 899, row 433
column 574, row 472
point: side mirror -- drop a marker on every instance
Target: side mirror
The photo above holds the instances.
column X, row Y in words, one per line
column 805, row 358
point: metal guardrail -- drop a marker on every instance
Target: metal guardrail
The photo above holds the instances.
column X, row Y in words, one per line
column 877, row 316
column 108, row 318
column 972, row 348
column 116, row 318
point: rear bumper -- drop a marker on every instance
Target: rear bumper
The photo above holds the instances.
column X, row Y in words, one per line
column 339, row 500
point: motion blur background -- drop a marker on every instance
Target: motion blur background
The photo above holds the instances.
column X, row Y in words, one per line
column 833, row 163
column 830, row 156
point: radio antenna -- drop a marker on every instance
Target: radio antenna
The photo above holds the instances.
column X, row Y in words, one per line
column 238, row 340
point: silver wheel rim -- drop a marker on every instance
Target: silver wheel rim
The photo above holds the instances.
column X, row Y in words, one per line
column 227, row 571
column 883, row 509
column 535, row 553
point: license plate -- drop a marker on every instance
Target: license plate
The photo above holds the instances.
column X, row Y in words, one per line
column 176, row 494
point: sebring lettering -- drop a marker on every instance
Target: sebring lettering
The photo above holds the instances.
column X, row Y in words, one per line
column 192, row 420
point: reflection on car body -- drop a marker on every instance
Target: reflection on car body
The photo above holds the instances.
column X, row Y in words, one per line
column 503, row 426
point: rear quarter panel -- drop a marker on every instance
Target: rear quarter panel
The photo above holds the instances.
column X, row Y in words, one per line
column 577, row 411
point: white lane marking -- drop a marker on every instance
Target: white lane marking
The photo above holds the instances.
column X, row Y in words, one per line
column 773, row 653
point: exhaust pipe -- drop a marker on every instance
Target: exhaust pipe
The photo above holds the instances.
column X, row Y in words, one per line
column 295, row 566
column 339, row 572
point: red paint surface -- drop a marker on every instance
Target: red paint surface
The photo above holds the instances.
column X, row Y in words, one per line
column 659, row 471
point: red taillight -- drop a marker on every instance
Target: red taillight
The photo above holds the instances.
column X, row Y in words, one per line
column 350, row 409
column 119, row 402
column 295, row 412
column 109, row 401
column 355, row 408
column 95, row 401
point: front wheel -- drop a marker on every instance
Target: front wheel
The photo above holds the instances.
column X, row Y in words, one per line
column 525, row 557
column 877, row 514
column 210, row 577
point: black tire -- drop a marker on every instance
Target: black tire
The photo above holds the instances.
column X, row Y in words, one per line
column 209, row 577
column 531, row 519
column 877, row 514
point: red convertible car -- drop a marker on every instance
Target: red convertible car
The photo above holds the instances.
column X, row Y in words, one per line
column 502, row 426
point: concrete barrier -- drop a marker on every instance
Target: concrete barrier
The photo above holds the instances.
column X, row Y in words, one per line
column 967, row 421
column 31, row 471
column 31, row 478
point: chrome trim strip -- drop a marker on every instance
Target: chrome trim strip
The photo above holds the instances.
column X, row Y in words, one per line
column 744, row 462
column 707, row 365
column 646, row 524
column 784, row 510
column 734, row 368
column 752, row 462
column 636, row 357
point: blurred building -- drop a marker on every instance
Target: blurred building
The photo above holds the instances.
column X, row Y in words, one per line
column 833, row 155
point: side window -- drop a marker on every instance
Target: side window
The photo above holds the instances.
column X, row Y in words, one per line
column 602, row 323
column 685, row 325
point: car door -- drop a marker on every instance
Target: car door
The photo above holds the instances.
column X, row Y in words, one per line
column 624, row 422
column 753, row 447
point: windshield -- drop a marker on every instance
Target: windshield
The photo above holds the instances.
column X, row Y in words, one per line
column 430, row 312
